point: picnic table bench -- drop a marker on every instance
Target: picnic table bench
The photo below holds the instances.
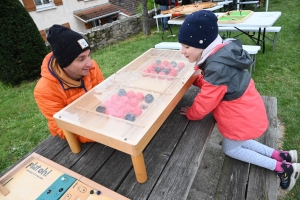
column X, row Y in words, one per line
column 172, row 158
column 253, row 30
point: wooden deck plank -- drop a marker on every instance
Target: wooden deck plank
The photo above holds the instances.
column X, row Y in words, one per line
column 233, row 180
column 67, row 158
column 115, row 170
column 183, row 165
column 262, row 182
column 50, row 147
column 93, row 160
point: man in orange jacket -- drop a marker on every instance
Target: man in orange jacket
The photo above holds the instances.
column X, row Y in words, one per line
column 67, row 73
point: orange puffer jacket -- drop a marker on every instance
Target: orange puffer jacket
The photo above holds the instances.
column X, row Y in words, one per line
column 52, row 95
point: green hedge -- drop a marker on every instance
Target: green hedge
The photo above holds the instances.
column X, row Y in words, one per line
column 22, row 48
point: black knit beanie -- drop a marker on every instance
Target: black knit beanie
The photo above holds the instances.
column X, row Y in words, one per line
column 66, row 44
column 199, row 29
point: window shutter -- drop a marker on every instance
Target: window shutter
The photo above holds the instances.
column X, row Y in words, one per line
column 43, row 34
column 29, row 5
column 58, row 2
column 103, row 21
column 88, row 25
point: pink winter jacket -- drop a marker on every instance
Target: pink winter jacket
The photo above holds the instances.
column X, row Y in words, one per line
column 228, row 91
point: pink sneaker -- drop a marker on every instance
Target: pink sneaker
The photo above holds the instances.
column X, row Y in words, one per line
column 289, row 156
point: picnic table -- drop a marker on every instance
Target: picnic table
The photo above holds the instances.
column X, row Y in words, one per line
column 259, row 20
column 166, row 14
column 172, row 158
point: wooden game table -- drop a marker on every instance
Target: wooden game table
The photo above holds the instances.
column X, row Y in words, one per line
column 190, row 8
column 37, row 177
column 85, row 116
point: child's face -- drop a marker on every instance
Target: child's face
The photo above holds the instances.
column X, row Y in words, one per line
column 191, row 53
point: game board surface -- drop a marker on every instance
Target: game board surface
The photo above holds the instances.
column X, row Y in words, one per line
column 39, row 178
column 235, row 16
column 190, row 8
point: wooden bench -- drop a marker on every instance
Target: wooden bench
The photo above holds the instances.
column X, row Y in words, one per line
column 240, row 180
column 251, row 49
column 273, row 29
column 256, row 4
column 172, row 158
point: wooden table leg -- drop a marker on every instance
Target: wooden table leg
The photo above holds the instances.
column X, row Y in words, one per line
column 72, row 141
column 139, row 168
column 3, row 190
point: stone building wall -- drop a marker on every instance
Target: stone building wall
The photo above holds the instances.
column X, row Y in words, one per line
column 116, row 31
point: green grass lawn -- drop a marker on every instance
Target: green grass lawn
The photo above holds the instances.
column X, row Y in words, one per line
column 22, row 127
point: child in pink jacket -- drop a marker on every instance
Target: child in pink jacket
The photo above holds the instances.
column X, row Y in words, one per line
column 228, row 91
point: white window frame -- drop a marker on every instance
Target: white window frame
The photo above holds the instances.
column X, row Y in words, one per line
column 94, row 23
column 45, row 6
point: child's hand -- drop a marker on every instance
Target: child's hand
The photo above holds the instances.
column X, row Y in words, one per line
column 183, row 110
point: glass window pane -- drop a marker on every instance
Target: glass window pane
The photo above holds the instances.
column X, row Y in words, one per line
column 38, row 2
column 41, row 2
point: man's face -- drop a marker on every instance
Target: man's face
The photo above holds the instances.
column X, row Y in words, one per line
column 191, row 53
column 80, row 66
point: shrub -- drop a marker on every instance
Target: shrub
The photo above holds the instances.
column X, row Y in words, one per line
column 22, row 47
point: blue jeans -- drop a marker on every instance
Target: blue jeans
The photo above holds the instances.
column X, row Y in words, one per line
column 164, row 21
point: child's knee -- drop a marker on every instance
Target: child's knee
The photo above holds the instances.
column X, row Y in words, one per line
column 229, row 151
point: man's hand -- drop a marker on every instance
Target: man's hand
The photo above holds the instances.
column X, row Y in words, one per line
column 183, row 110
